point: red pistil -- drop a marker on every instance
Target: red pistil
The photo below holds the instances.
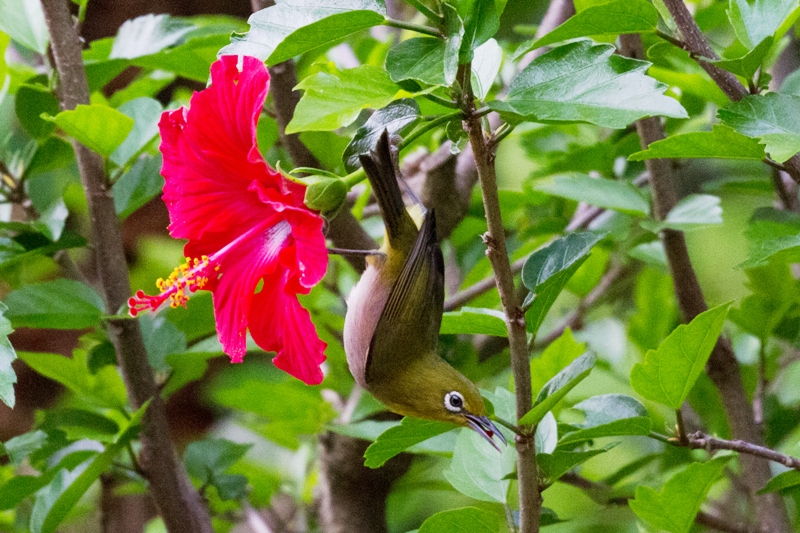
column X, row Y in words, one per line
column 185, row 279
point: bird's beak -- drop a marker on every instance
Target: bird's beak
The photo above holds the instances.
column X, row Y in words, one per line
column 486, row 429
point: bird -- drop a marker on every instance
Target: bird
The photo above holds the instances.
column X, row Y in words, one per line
column 394, row 313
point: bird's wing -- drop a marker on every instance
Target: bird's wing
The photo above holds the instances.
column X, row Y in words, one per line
column 409, row 324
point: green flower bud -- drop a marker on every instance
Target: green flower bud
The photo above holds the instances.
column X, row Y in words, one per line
column 325, row 194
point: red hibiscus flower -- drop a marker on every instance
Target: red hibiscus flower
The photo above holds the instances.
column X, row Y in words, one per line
column 252, row 242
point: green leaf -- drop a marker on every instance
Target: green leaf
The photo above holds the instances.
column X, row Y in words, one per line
column 53, row 154
column 7, row 356
column 331, row 101
column 608, row 415
column 290, row 28
column 58, row 304
column 476, row 469
column 556, row 464
column 31, row 101
column 145, row 113
column 773, row 237
column 397, row 439
column 782, row 481
column 771, row 118
column 23, row 21
column 148, row 34
column 555, row 358
column 454, row 32
column 547, row 271
column 474, row 321
column 579, row 82
column 755, row 20
column 481, row 21
column 81, row 424
column 668, row 374
column 674, row 508
column 104, row 387
column 161, row 338
column 721, row 142
column 486, row 63
column 98, row 127
column 469, row 519
column 396, row 118
column 22, row 446
column 208, row 460
column 55, row 500
column 186, row 367
column 605, row 193
column 747, row 65
column 603, row 21
column 137, row 186
column 558, row 387
column 693, row 212
column 420, row 59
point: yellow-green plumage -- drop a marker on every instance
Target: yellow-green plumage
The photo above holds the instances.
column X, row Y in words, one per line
column 395, row 311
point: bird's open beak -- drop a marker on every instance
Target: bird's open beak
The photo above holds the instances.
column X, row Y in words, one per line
column 486, row 429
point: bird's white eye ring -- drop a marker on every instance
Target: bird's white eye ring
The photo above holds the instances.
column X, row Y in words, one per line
column 454, row 402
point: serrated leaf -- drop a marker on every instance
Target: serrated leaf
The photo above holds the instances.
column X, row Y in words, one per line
column 674, row 508
column 58, row 304
column 605, row 193
column 486, row 63
column 579, row 82
column 145, row 113
column 556, row 464
column 555, row 358
column 722, row 142
column 477, row 471
column 396, row 118
column 7, row 356
column 474, row 321
column 692, row 212
column 547, row 271
column 331, row 101
column 558, row 387
column 98, row 127
column 461, row 520
column 668, row 374
column 772, row 237
column 609, row 415
column 603, row 21
column 747, row 65
column 755, row 20
column 23, row 21
column 782, row 481
column 147, row 35
column 771, row 118
column 137, row 186
column 292, row 27
column 104, row 387
column 397, row 439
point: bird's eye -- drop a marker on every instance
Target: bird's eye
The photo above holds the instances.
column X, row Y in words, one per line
column 454, row 402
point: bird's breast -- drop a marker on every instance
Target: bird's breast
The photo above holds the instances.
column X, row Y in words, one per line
column 364, row 307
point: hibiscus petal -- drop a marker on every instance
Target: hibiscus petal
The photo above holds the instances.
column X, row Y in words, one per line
column 210, row 152
column 278, row 323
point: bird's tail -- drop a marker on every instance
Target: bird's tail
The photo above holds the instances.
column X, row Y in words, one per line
column 381, row 169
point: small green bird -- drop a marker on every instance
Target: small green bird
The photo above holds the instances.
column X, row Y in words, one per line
column 394, row 313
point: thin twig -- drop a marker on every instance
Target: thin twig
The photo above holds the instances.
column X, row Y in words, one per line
column 481, row 287
column 178, row 502
column 701, row 441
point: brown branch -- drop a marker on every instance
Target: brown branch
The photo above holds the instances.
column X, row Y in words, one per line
column 699, row 48
column 701, row 441
column 179, row 504
column 529, row 497
column 722, row 367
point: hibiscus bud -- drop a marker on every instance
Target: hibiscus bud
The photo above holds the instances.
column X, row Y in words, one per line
column 325, row 194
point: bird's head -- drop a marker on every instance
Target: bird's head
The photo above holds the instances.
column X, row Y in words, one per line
column 437, row 391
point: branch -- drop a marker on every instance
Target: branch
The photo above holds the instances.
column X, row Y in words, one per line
column 701, row 441
column 529, row 496
column 698, row 47
column 722, row 368
column 179, row 504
